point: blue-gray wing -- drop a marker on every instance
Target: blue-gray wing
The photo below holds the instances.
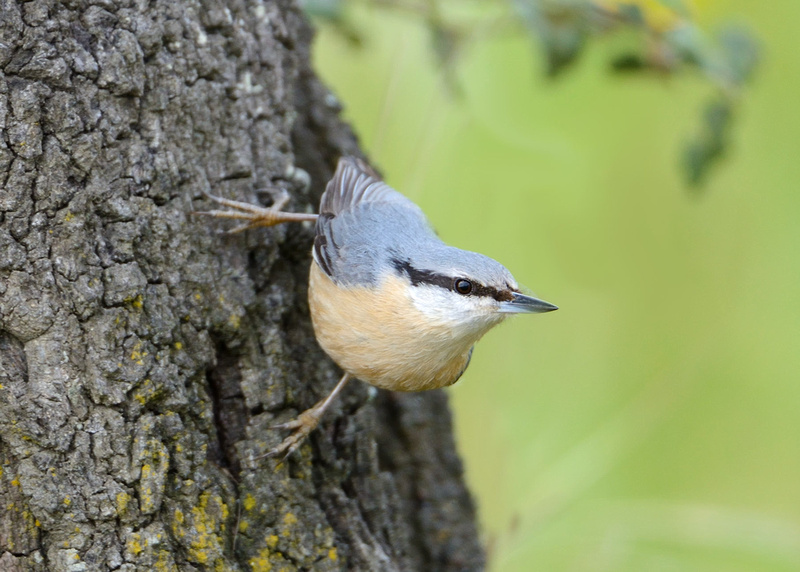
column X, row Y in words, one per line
column 363, row 224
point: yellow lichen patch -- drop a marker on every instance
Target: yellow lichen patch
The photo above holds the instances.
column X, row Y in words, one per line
column 135, row 544
column 235, row 321
column 289, row 520
column 272, row 541
column 146, row 391
column 332, row 554
column 135, row 302
column 31, row 523
column 243, row 524
column 261, row 562
column 15, row 482
column 178, row 346
column 123, row 499
column 154, row 469
column 137, row 354
column 165, row 563
column 200, row 531
column 67, row 501
column 249, row 502
column 68, row 217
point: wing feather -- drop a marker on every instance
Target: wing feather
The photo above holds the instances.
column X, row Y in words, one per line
column 352, row 183
column 361, row 217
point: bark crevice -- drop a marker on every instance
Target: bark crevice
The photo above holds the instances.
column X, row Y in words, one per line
column 230, row 412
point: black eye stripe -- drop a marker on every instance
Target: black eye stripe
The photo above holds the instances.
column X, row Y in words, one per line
column 418, row 277
column 499, row 295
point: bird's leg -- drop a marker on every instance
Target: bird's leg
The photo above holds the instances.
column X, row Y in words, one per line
column 256, row 216
column 304, row 423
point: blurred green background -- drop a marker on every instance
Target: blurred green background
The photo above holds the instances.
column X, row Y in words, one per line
column 653, row 422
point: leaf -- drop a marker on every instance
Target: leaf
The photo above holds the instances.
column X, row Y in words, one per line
column 562, row 27
column 702, row 153
column 632, row 14
column 627, row 63
column 741, row 52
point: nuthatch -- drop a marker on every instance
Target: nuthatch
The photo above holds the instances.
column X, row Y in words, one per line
column 391, row 303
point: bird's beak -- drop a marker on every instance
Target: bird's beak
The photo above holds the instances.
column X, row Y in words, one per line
column 522, row 304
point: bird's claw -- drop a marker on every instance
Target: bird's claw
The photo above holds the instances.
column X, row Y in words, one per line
column 254, row 216
column 303, row 424
column 291, row 424
column 279, row 199
column 301, row 427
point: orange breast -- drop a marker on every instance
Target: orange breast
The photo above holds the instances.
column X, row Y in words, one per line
column 378, row 336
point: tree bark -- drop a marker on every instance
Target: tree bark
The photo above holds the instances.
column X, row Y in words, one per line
column 144, row 355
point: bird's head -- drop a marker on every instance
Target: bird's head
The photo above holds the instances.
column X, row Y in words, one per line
column 467, row 292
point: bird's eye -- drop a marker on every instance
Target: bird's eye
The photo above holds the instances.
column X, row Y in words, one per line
column 463, row 286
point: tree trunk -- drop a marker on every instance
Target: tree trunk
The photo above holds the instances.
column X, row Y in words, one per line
column 144, row 355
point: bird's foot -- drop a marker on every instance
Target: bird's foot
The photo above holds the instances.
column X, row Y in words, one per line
column 301, row 427
column 304, row 424
column 255, row 216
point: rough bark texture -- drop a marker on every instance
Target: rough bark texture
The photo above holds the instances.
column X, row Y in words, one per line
column 143, row 355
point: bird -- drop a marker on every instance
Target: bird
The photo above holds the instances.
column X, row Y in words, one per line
column 390, row 302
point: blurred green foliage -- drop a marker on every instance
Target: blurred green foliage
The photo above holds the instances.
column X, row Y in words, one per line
column 668, row 42
column 652, row 422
